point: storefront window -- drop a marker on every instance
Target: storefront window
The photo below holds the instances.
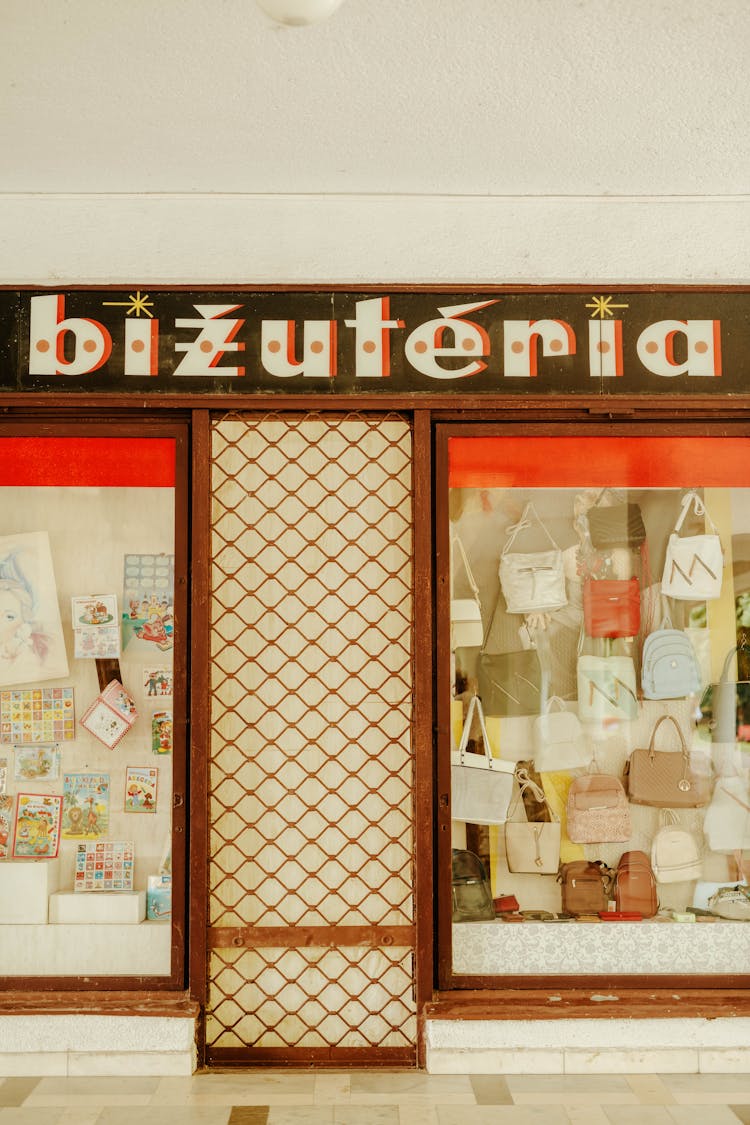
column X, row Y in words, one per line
column 92, row 619
column 598, row 704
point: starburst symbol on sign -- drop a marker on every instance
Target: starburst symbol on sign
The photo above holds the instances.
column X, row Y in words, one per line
column 604, row 306
column 136, row 304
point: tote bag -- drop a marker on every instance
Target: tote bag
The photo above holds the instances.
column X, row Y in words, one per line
column 481, row 786
column 466, row 613
column 532, row 846
column 533, row 582
column 694, row 563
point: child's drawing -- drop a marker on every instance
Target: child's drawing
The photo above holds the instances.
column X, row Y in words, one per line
column 31, row 639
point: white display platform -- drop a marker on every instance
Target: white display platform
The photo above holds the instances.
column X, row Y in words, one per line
column 608, row 948
column 25, row 887
column 98, row 907
column 95, row 950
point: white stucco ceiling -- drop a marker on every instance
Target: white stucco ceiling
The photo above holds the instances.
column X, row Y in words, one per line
column 468, row 97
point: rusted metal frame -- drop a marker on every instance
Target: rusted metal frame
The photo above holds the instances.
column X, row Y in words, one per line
column 716, row 415
column 658, row 1002
column 105, row 1002
column 319, row 1057
column 199, row 729
column 301, row 937
column 25, row 423
column 424, row 741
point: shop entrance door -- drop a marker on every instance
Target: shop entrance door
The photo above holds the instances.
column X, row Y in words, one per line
column 311, row 924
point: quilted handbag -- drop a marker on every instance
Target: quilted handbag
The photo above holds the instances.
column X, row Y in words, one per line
column 532, row 846
column 675, row 855
column 664, row 779
column 510, row 683
column 694, row 563
column 598, row 810
column 611, row 607
column 466, row 613
column 606, row 688
column 669, row 666
column 620, row 525
column 559, row 742
column 481, row 786
column 533, row 582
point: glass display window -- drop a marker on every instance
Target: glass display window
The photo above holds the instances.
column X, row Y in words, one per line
column 92, row 704
column 594, row 705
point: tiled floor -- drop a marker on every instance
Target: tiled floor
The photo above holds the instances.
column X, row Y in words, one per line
column 378, row 1098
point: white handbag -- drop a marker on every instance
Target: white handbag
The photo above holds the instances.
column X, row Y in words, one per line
column 481, row 786
column 694, row 563
column 533, row 582
column 559, row 742
column 675, row 854
column 466, row 613
column 606, row 688
column 532, row 846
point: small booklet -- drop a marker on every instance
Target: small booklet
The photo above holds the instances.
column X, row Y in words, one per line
column 111, row 715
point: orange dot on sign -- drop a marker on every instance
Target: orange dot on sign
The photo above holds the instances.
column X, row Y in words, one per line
column 652, row 347
column 701, row 347
column 369, row 346
column 420, row 346
column 516, row 346
column 206, row 346
column 469, row 345
column 602, row 346
column 89, row 345
column 316, row 346
column 42, row 345
column 138, row 345
column 555, row 345
column 274, row 346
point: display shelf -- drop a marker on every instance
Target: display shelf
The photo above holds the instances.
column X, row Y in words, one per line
column 141, row 949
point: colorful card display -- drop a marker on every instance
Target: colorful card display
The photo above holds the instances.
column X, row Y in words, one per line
column 85, row 805
column 36, row 763
column 161, row 732
column 140, row 789
column 33, row 715
column 6, row 819
column 148, row 600
column 37, row 828
column 159, row 898
column 157, row 681
column 96, row 626
column 106, row 865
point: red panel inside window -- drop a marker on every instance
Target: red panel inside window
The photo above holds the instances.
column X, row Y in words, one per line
column 595, row 462
column 70, row 462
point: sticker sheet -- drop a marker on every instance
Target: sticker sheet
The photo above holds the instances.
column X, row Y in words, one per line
column 37, row 829
column 85, row 805
column 96, row 626
column 34, row 715
column 106, row 865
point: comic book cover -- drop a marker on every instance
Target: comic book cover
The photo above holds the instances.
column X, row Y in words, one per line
column 85, row 805
column 37, row 828
column 140, row 789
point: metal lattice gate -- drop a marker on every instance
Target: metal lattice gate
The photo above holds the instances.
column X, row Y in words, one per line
column 311, row 924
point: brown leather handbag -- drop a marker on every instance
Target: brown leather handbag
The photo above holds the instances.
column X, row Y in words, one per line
column 635, row 885
column 585, row 886
column 662, row 779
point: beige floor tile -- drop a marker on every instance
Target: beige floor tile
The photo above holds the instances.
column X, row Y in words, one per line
column 21, row 1115
column 417, row 1115
column 178, row 1115
column 650, row 1090
column 301, row 1115
column 638, row 1115
column 491, row 1089
column 394, row 1084
column 502, row 1115
column 366, row 1115
column 84, row 1101
column 695, row 1084
column 248, row 1115
column 567, row 1084
column 105, row 1087
column 14, row 1091
column 586, row 1115
column 78, row 1116
column 172, row 1091
column 719, row 1115
column 332, row 1089
column 740, row 1112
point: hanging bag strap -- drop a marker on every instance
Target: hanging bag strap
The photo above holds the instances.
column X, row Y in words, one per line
column 684, row 784
column 475, row 704
column 523, row 524
column 692, row 499
column 456, row 542
column 525, row 784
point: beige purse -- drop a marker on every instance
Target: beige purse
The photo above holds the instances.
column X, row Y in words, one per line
column 532, row 846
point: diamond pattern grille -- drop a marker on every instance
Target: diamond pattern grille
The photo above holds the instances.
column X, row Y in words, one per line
column 311, row 756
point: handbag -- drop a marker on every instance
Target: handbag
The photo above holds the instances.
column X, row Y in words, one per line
column 669, row 666
column 466, row 613
column 470, row 888
column 732, row 903
column 598, row 810
column 586, row 886
column 606, row 688
column 635, row 885
column 726, row 704
column 559, row 742
column 620, row 525
column 533, row 582
column 694, row 563
column 510, row 683
column 481, row 786
column 664, row 779
column 675, row 855
column 611, row 607
column 532, row 846
column 726, row 824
